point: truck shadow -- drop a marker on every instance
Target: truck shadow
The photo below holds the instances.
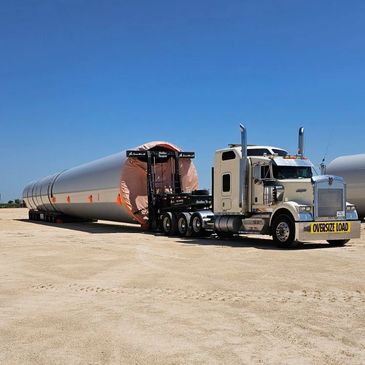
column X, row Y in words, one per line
column 90, row 227
column 237, row 242
column 258, row 243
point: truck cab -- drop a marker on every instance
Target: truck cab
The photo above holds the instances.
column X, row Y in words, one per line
column 279, row 194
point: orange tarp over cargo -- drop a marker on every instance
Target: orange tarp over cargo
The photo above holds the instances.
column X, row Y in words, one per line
column 133, row 185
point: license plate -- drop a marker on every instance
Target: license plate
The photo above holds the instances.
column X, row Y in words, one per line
column 330, row 227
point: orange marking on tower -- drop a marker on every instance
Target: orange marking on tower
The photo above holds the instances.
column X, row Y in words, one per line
column 119, row 199
column 68, row 199
column 90, row 198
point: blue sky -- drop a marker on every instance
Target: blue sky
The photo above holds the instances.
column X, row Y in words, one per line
column 83, row 79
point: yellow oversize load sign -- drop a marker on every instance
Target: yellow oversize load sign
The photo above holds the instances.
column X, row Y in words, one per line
column 330, row 227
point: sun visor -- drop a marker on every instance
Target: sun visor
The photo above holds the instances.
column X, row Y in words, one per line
column 279, row 161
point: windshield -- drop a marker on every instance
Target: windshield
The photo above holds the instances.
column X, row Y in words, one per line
column 292, row 172
column 279, row 152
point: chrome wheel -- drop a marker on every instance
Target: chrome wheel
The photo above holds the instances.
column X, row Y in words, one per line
column 282, row 231
column 196, row 224
column 168, row 223
column 183, row 224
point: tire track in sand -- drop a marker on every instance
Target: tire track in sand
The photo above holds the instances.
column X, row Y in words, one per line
column 228, row 296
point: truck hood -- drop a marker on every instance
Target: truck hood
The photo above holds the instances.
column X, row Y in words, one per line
column 298, row 190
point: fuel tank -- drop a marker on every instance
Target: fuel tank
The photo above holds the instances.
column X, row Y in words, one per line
column 352, row 169
column 111, row 188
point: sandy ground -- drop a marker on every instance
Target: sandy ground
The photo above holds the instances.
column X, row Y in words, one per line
column 102, row 293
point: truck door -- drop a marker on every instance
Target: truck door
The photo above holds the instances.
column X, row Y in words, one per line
column 261, row 172
column 226, row 182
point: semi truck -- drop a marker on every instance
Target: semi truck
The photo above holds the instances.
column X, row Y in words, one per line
column 255, row 190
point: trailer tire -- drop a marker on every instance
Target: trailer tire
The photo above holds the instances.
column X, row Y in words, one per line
column 283, row 232
column 168, row 224
column 337, row 243
column 197, row 225
column 184, row 224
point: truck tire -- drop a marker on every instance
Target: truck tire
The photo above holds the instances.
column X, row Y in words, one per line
column 197, row 225
column 168, row 224
column 337, row 243
column 183, row 224
column 283, row 232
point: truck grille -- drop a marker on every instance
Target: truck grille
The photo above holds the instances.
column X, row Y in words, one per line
column 330, row 201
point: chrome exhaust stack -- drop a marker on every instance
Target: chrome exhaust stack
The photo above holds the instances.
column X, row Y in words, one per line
column 301, row 142
column 243, row 170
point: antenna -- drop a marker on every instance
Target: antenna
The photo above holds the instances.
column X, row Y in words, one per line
column 323, row 165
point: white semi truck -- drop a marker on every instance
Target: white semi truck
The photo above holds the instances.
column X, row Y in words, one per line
column 255, row 189
column 271, row 194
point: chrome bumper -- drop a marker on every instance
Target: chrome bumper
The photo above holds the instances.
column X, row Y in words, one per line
column 302, row 232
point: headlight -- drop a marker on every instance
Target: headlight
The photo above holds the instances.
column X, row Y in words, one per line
column 350, row 208
column 304, row 209
column 351, row 212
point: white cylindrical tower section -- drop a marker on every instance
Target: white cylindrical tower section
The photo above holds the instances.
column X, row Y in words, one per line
column 111, row 188
column 352, row 169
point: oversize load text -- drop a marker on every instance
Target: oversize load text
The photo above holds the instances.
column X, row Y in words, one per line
column 334, row 227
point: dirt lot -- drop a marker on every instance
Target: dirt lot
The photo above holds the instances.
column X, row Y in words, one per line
column 102, row 293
